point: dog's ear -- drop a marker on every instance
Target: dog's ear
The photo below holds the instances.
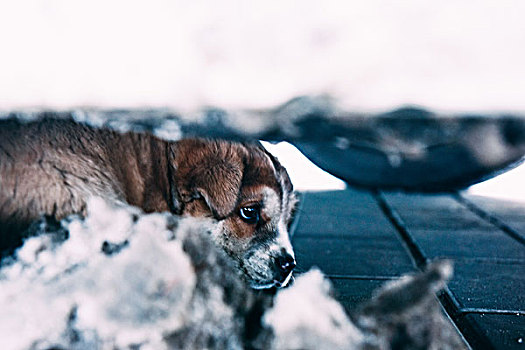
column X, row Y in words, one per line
column 219, row 184
column 205, row 172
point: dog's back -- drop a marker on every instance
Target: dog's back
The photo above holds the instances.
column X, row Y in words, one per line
column 53, row 166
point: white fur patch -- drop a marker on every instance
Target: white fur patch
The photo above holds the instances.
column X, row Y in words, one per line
column 276, row 210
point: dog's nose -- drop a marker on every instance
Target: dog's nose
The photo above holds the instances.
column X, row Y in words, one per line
column 285, row 264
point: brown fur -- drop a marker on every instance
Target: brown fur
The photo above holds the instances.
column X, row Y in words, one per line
column 51, row 167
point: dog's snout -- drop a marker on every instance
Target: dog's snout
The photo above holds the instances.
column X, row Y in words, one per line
column 285, row 264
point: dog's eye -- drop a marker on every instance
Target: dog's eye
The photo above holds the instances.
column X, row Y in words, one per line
column 249, row 215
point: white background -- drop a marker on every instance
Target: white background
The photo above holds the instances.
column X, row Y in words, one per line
column 449, row 54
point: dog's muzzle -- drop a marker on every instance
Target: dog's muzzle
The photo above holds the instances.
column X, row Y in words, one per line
column 268, row 269
column 283, row 267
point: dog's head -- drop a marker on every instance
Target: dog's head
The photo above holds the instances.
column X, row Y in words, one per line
column 250, row 195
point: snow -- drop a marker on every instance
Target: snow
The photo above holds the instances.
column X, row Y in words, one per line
column 164, row 284
column 116, row 300
column 299, row 325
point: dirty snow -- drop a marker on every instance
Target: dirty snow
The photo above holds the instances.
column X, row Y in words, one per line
column 54, row 289
column 299, row 325
column 125, row 279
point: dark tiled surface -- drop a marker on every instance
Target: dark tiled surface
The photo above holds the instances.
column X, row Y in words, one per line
column 466, row 243
column 502, row 332
column 420, row 212
column 360, row 240
column 508, row 213
column 362, row 256
column 356, row 239
column 342, row 213
column 488, row 285
column 353, row 292
column 343, row 225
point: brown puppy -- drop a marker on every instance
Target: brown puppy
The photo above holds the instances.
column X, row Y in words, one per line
column 52, row 167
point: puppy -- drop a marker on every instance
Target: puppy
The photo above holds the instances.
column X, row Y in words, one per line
column 51, row 167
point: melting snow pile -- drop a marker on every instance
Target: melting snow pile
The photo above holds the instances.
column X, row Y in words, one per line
column 122, row 279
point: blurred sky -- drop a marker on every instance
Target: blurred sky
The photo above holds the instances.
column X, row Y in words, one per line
column 372, row 55
column 449, row 55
